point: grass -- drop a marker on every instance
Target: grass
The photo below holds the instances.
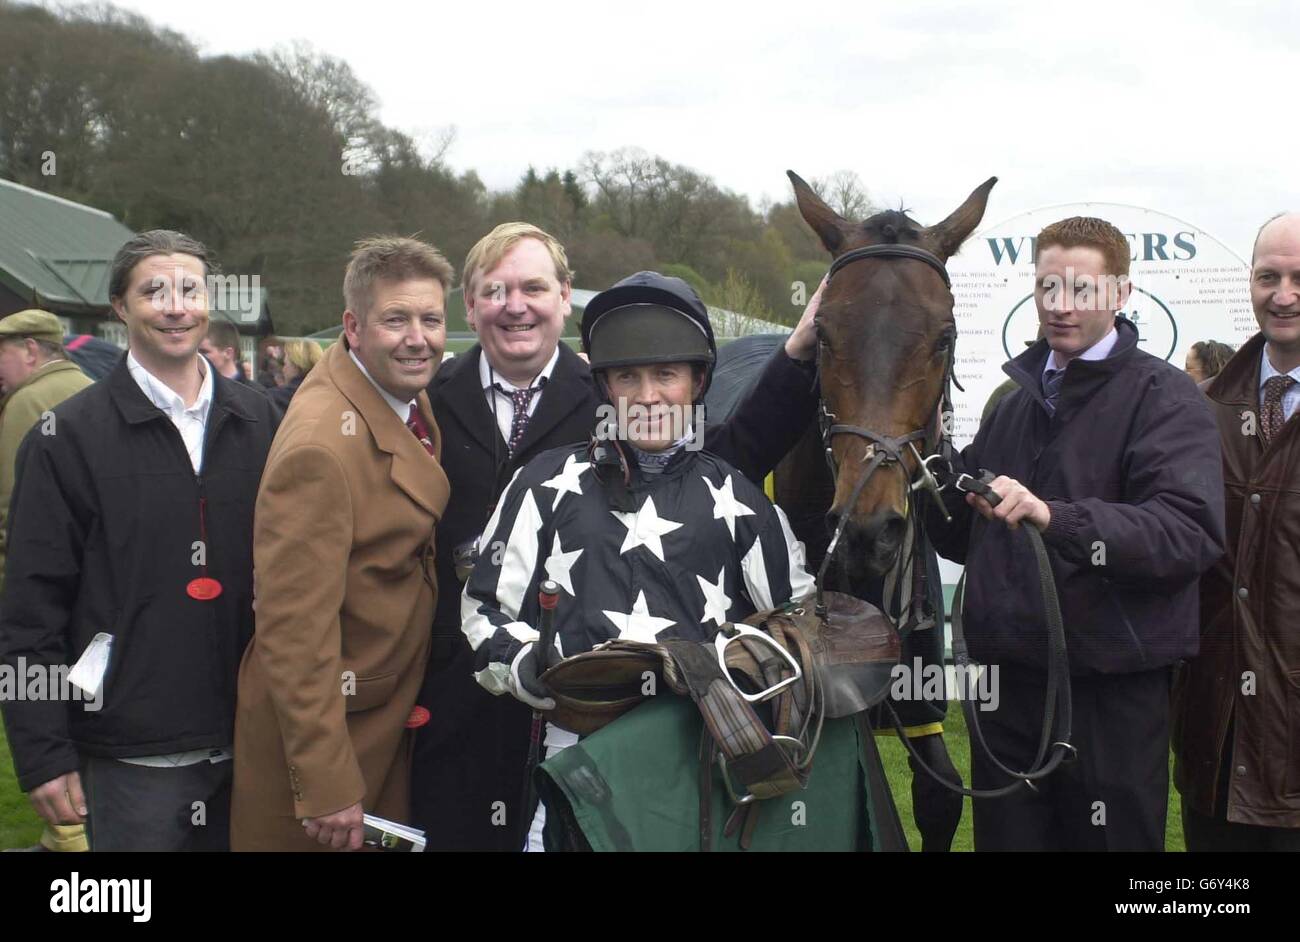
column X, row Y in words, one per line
column 20, row 827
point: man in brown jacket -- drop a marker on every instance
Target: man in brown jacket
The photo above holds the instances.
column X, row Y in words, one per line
column 1237, row 705
column 37, row 375
column 343, row 560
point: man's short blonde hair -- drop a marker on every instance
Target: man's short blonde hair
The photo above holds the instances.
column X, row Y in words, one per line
column 390, row 258
column 489, row 250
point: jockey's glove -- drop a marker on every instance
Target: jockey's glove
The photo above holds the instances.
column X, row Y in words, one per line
column 524, row 680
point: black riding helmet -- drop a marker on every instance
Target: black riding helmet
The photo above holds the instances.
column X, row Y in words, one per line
column 649, row 318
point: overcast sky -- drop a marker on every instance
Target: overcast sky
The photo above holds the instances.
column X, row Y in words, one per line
column 1186, row 108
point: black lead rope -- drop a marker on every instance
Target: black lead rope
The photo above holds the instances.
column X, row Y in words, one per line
column 1058, row 690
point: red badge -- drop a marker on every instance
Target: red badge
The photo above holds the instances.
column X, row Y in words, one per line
column 419, row 716
column 203, row 589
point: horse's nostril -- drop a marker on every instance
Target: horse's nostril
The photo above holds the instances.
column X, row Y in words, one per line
column 891, row 533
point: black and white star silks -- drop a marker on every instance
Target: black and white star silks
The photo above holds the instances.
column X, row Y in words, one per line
column 703, row 547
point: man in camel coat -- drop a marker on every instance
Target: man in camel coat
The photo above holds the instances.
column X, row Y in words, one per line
column 343, row 569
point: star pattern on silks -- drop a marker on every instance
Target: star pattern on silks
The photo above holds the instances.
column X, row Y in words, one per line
column 638, row 624
column 644, row 528
column 566, row 482
column 725, row 505
column 559, row 565
column 716, row 600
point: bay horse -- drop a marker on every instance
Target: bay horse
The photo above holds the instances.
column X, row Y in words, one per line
column 886, row 335
column 886, row 338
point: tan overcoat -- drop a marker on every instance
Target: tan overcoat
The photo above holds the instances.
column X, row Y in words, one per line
column 344, row 585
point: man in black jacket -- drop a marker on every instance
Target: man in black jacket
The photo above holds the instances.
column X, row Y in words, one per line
column 131, row 554
column 1112, row 454
column 516, row 394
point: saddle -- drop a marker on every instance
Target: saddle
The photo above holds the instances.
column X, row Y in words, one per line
column 763, row 688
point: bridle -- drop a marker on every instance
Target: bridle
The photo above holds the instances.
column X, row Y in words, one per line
column 934, row 473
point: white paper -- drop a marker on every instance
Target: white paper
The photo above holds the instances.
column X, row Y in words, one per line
column 88, row 673
column 414, row 835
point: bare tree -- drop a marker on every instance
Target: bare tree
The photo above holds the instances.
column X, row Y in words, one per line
column 845, row 193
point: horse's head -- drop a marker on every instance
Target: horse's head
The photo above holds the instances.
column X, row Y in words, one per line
column 885, row 336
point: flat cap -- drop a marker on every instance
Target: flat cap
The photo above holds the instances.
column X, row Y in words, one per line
column 39, row 325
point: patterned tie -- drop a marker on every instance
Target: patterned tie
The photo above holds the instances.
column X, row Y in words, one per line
column 415, row 422
column 519, row 398
column 1052, row 380
column 1272, row 418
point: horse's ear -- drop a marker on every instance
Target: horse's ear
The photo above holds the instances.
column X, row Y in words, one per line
column 829, row 225
column 952, row 232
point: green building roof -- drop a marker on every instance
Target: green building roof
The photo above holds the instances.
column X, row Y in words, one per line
column 54, row 252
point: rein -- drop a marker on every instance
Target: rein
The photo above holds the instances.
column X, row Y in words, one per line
column 934, row 474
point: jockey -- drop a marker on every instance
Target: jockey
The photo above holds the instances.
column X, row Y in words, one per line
column 648, row 536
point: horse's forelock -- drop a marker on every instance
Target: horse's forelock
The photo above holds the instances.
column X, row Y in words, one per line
column 892, row 225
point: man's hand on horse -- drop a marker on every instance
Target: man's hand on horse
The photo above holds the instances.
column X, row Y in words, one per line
column 1017, row 504
column 341, row 830
column 802, row 344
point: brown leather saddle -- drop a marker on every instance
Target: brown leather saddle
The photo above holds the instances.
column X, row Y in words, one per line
column 763, row 687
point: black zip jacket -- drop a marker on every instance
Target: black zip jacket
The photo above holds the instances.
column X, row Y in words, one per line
column 1130, row 467
column 105, row 536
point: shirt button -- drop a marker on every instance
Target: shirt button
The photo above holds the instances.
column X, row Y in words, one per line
column 1243, row 593
column 1254, row 499
column 1241, row 770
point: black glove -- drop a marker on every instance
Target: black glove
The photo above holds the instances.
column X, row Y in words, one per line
column 528, row 686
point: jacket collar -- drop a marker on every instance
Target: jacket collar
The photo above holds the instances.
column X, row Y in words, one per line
column 412, row 470
column 1082, row 377
column 47, row 369
column 1238, row 382
column 457, row 384
column 136, row 408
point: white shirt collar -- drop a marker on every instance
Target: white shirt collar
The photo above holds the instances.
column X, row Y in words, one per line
column 403, row 409
column 166, row 398
column 1267, row 370
column 1098, row 351
column 487, row 376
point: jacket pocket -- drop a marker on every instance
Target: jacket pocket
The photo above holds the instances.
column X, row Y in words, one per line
column 1123, row 617
column 371, row 692
column 1293, row 734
